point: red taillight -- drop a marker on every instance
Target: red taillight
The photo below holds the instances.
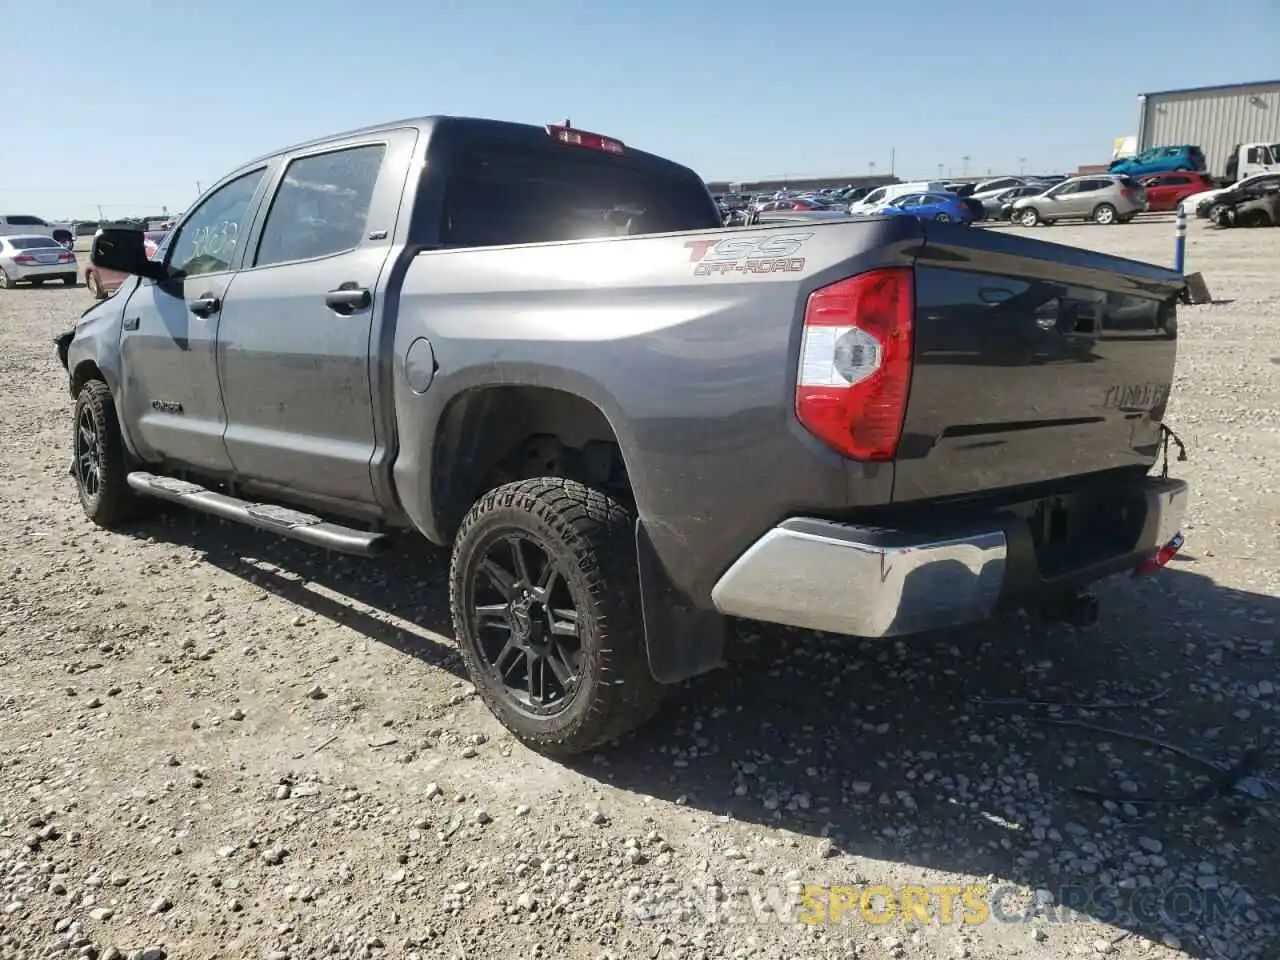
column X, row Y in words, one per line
column 582, row 138
column 25, row 258
column 855, row 363
column 1162, row 557
column 66, row 257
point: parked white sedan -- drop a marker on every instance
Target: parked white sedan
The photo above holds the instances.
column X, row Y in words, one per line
column 34, row 259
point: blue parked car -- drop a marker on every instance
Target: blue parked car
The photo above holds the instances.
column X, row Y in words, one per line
column 1185, row 158
column 940, row 206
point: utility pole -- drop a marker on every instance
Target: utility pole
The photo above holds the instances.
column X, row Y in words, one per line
column 100, row 217
column 199, row 189
column 872, row 166
column 939, row 171
column 1022, row 165
column 965, row 168
column 893, row 157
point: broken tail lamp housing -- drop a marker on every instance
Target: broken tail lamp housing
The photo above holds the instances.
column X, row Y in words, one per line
column 584, row 138
column 855, row 363
column 1162, row 558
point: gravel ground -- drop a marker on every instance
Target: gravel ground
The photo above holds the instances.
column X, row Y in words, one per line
column 218, row 744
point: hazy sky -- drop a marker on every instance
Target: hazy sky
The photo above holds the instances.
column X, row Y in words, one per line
column 130, row 105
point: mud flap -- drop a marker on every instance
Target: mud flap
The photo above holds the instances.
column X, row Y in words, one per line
column 681, row 641
column 1196, row 290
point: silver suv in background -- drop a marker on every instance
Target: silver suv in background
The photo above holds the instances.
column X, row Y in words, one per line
column 1105, row 199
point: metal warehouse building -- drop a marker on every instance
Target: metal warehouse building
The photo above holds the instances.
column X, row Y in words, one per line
column 1214, row 118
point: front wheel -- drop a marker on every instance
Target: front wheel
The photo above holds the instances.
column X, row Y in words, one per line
column 99, row 464
column 545, row 597
column 5, row 281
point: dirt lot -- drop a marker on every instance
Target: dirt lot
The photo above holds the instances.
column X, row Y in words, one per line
column 216, row 744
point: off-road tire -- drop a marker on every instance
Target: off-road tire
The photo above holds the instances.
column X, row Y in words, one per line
column 114, row 502
column 591, row 538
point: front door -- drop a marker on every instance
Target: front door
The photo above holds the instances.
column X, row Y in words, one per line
column 170, row 392
column 294, row 340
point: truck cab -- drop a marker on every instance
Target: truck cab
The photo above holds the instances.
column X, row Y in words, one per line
column 1247, row 159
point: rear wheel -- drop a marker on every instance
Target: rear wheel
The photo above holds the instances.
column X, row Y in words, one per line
column 943, row 218
column 1104, row 214
column 99, row 459
column 1254, row 218
column 69, row 280
column 1028, row 217
column 94, row 284
column 545, row 598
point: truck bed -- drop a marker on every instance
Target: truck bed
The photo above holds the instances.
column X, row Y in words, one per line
column 1033, row 364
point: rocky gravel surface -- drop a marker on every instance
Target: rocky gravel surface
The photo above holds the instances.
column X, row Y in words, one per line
column 218, row 744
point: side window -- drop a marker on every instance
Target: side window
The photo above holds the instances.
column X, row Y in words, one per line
column 1254, row 155
column 207, row 242
column 322, row 206
column 1066, row 189
column 875, row 196
column 1176, row 181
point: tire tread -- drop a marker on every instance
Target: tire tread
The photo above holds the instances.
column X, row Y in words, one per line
column 116, row 501
column 600, row 534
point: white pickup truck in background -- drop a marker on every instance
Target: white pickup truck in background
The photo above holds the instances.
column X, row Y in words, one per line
column 15, row 224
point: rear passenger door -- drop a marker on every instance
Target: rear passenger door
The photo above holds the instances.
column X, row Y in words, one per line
column 300, row 323
column 1062, row 201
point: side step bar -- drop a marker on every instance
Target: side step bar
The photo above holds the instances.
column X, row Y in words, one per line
column 263, row 516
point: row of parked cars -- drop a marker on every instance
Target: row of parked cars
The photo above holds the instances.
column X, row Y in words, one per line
column 36, row 259
column 1105, row 198
column 1251, row 202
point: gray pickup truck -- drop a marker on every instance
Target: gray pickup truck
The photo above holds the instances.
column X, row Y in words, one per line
column 539, row 345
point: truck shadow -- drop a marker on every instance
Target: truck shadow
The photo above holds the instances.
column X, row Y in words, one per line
column 958, row 751
column 944, row 751
column 400, row 599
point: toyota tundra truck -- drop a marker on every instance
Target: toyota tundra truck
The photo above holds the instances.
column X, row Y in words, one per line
column 539, row 346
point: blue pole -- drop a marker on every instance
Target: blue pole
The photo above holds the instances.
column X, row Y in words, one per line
column 1180, row 241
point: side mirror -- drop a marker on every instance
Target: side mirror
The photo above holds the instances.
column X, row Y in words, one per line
column 125, row 251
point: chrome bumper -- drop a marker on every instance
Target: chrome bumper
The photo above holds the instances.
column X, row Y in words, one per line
column 869, row 582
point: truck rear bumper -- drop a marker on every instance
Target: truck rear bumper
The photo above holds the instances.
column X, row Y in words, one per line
column 873, row 582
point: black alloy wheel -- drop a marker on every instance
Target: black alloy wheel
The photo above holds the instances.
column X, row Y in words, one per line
column 526, row 623
column 544, row 592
